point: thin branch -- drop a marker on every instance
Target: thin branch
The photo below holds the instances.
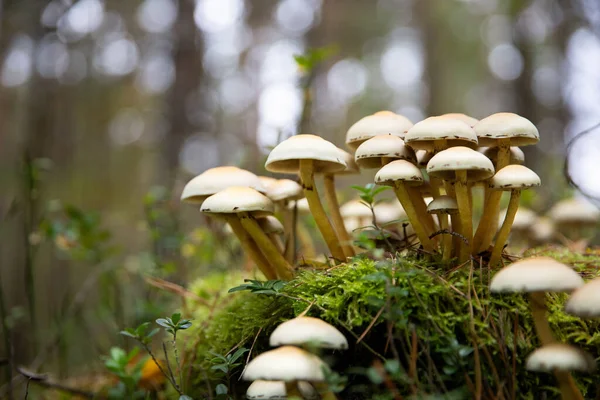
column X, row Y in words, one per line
column 44, row 381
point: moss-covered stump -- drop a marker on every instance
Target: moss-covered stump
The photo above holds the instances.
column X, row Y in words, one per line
column 414, row 327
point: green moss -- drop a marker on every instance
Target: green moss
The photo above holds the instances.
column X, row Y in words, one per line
column 393, row 305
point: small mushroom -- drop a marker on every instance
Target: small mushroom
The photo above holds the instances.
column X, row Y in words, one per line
column 444, row 206
column 585, row 301
column 282, row 193
column 307, row 155
column 272, row 228
column 214, row 180
column 302, row 330
column 380, row 123
column 275, row 390
column 576, row 218
column 513, row 178
column 382, row 149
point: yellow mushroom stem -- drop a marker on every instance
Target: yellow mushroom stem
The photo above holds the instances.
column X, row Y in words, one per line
column 404, row 198
column 249, row 246
column 317, row 210
column 568, row 388
column 456, row 240
column 446, row 237
column 292, row 390
column 488, row 224
column 502, row 236
column 284, row 270
column 289, row 232
column 336, row 217
column 421, row 208
column 324, row 391
column 277, row 242
column 461, row 189
column 306, row 242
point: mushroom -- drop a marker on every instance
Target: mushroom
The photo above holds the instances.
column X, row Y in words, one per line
column 380, row 150
column 288, row 364
column 400, row 175
column 461, row 165
column 214, row 180
column 561, row 359
column 243, row 205
column 282, row 193
column 272, row 228
column 307, row 154
column 435, row 134
column 380, row 123
column 501, row 130
column 442, row 207
column 307, row 246
column 275, row 390
column 267, row 182
column 516, row 155
column 585, row 301
column 303, row 330
column 513, row 178
column 334, row 205
column 576, row 218
column 356, row 213
column 463, row 117
column 542, row 230
column 522, row 227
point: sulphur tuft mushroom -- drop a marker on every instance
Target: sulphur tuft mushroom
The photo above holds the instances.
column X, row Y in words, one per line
column 283, row 192
column 444, row 206
column 216, row 179
column 380, row 123
column 308, row 330
column 275, row 390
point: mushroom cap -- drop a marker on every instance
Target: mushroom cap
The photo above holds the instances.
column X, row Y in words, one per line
column 519, row 130
column 389, row 211
column 301, row 205
column 399, row 170
column 463, row 117
column 355, row 209
column 351, row 167
column 514, row 177
column 303, row 330
column 423, row 157
column 445, row 164
column 542, row 230
column 270, row 224
column 380, row 123
column 275, row 390
column 443, row 205
column 562, row 357
column 536, row 274
column 267, row 181
column 238, row 199
column 286, row 156
column 370, row 152
column 286, row 363
column 216, row 179
column 574, row 211
column 285, row 189
column 456, row 133
column 585, row 301
column 516, row 154
column 525, row 219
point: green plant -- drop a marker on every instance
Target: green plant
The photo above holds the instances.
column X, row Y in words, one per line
column 119, row 363
column 226, row 364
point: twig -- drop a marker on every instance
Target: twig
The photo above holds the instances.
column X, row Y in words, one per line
column 162, row 370
column 171, row 375
column 362, row 336
column 177, row 362
column 42, row 380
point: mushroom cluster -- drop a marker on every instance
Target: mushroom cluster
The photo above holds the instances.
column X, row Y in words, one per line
column 292, row 369
column 437, row 157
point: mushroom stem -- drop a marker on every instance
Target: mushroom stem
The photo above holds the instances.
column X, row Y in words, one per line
column 277, row 242
column 289, row 217
column 336, row 217
column 456, row 240
column 464, row 209
column 250, row 246
column 284, row 270
column 317, row 210
column 435, row 184
column 324, row 391
column 568, row 388
column 306, row 243
column 446, row 237
column 292, row 390
column 489, row 220
column 502, row 237
column 421, row 209
column 413, row 217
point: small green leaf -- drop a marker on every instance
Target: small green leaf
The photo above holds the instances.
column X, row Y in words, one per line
column 185, row 397
column 165, row 323
column 175, row 318
column 221, row 389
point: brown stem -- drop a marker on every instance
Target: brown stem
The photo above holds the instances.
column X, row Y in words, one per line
column 284, row 270
column 288, row 234
column 250, row 246
column 502, row 237
column 413, row 217
column 317, row 210
column 336, row 217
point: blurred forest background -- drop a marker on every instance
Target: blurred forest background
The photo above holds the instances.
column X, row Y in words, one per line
column 107, row 108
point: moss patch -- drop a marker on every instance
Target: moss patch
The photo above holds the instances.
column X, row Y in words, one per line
column 443, row 327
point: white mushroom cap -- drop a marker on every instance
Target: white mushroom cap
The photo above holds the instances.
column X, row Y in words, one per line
column 443, row 205
column 562, row 357
column 370, row 152
column 355, row 209
column 537, row 274
column 388, row 212
column 399, row 170
column 303, row 330
column 301, row 204
column 286, row 156
column 454, row 131
column 275, row 390
column 445, row 164
column 519, row 130
column 380, row 123
column 574, row 211
column 542, row 230
column 462, row 117
column 238, row 199
column 285, row 189
column 286, row 363
column 514, row 177
column 423, row 157
column 270, row 224
column 267, row 181
column 216, row 179
column 516, row 154
column 351, row 167
column 585, row 301
column 525, row 219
